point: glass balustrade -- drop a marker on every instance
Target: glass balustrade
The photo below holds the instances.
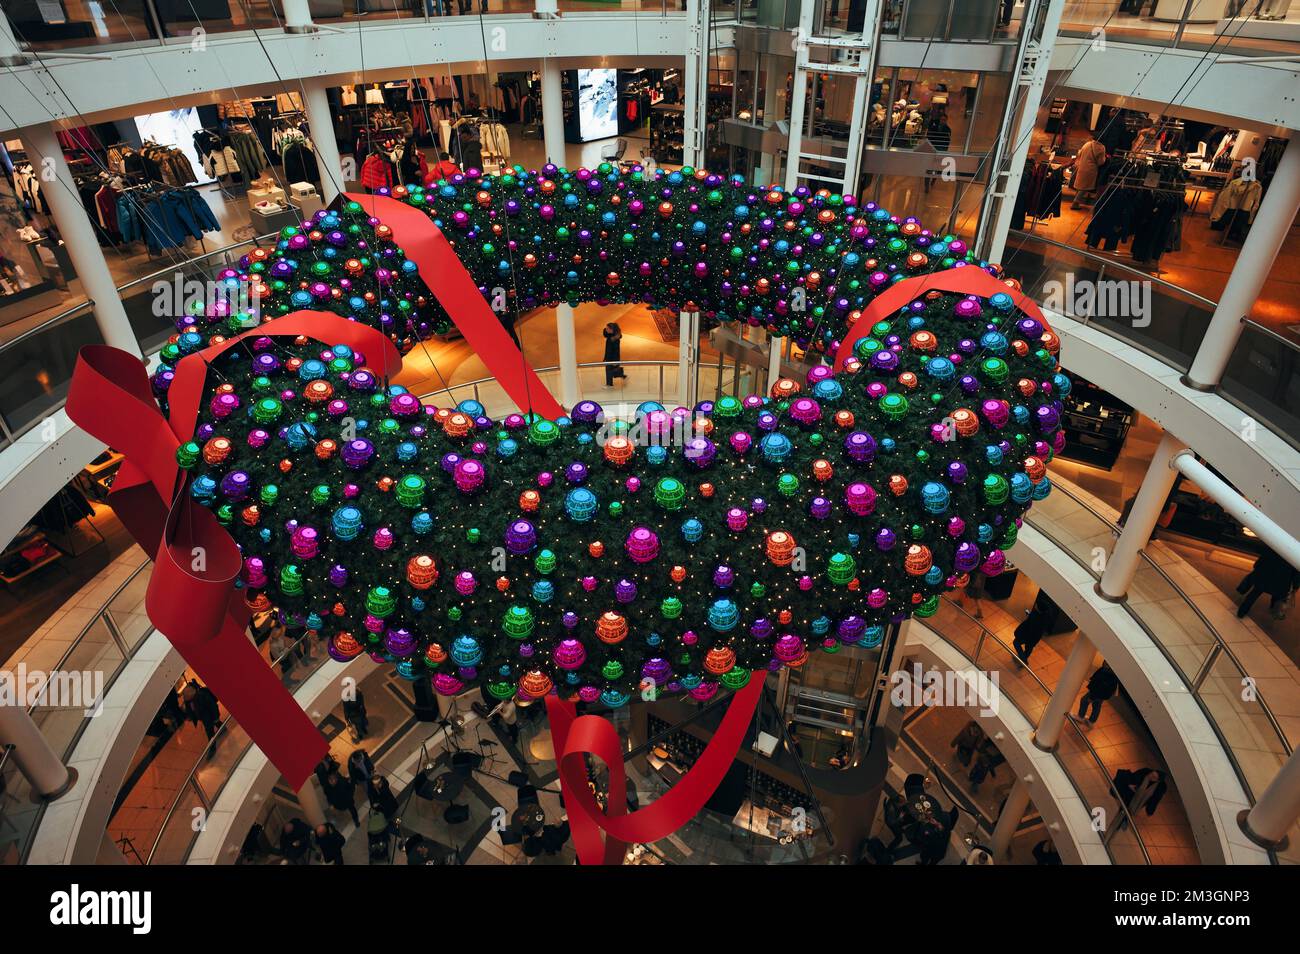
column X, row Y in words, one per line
column 1090, row 777
column 1251, row 734
column 94, row 659
column 39, row 362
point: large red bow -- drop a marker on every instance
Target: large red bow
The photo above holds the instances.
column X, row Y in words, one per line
column 191, row 597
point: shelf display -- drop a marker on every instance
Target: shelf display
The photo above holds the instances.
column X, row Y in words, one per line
column 1096, row 424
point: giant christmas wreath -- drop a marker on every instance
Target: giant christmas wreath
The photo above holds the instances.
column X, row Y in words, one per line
column 593, row 558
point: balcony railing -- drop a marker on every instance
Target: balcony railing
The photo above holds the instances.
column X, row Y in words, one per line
column 1249, row 731
column 1029, row 694
column 1263, row 376
column 103, row 646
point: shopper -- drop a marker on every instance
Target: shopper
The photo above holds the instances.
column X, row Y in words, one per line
column 330, row 842
column 1088, row 162
column 326, row 765
column 295, row 842
column 201, row 708
column 341, row 795
column 360, row 768
column 1028, row 633
column 354, row 711
column 1272, row 575
column 613, row 353
column 442, row 168
column 987, row 760
column 382, row 798
column 967, row 741
column 1101, row 686
column 509, row 716
column 1139, row 789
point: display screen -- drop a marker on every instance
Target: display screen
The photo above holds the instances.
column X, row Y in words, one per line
column 176, row 127
column 597, row 104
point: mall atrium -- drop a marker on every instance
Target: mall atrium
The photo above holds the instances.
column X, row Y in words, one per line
column 650, row 432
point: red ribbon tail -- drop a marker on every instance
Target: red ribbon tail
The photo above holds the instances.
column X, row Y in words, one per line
column 576, row 737
column 452, row 285
column 191, row 597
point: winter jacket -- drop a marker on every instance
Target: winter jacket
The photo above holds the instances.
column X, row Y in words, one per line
column 220, row 163
column 1087, row 165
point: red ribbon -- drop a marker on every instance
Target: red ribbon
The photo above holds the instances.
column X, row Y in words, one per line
column 191, row 596
column 576, row 737
column 968, row 280
column 453, row 286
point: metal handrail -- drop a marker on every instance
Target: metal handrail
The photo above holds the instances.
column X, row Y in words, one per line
column 1103, row 261
column 1221, row 646
column 491, row 379
column 208, row 750
column 986, row 633
column 1269, row 332
column 104, row 610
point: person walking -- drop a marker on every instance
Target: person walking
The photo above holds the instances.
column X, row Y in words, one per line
column 1028, row 633
column 1101, row 686
column 201, row 708
column 354, row 711
column 1272, row 575
column 360, row 768
column 613, row 352
column 967, row 741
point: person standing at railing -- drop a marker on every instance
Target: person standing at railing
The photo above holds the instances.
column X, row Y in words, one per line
column 613, row 353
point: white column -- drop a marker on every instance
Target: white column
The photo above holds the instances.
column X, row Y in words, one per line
column 320, row 119
column 688, row 357
column 552, row 111
column 1122, row 563
column 566, row 337
column 1013, row 811
column 297, row 15
column 310, row 803
column 69, row 215
column 1277, row 212
column 44, row 771
column 773, row 361
column 1078, row 665
column 1278, row 807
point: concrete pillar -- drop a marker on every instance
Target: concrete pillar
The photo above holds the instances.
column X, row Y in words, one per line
column 1125, row 555
column 688, row 357
column 553, row 112
column 320, row 119
column 1277, row 809
column 297, row 18
column 1078, row 666
column 566, row 337
column 1277, row 212
column 309, row 801
column 1013, row 810
column 42, row 768
column 773, row 361
column 79, row 237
